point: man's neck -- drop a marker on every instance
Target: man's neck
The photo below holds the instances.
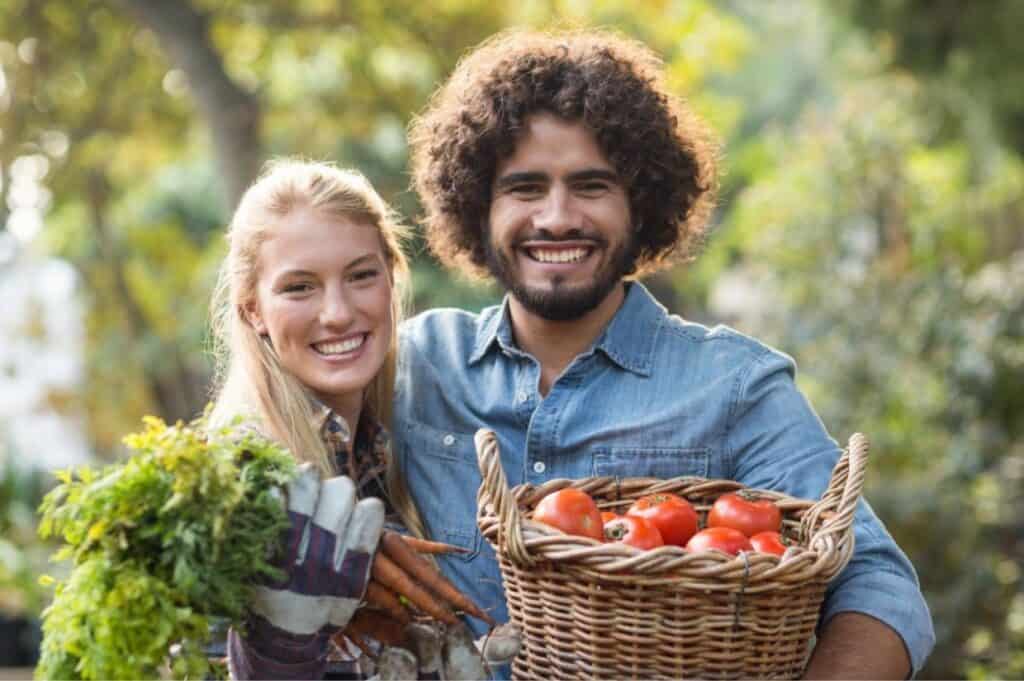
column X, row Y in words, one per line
column 556, row 343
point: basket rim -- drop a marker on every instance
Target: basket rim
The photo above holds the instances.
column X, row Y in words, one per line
column 665, row 564
column 825, row 539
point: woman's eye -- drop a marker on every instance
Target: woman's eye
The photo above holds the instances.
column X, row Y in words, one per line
column 365, row 275
column 296, row 288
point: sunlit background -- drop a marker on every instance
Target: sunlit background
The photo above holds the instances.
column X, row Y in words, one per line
column 869, row 225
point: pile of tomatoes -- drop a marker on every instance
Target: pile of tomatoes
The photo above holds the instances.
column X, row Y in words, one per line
column 738, row 521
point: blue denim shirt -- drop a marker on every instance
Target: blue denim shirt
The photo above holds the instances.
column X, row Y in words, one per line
column 655, row 396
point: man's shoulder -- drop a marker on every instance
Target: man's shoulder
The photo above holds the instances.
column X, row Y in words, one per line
column 442, row 319
column 718, row 339
column 444, row 329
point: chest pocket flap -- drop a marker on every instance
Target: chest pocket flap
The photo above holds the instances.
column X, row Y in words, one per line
column 651, row 462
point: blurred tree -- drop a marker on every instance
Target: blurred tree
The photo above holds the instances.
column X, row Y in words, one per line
column 965, row 50
column 873, row 248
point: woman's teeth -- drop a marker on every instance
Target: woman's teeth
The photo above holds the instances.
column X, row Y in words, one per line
column 340, row 347
column 559, row 255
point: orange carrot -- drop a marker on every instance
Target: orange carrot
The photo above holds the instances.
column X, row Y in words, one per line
column 381, row 597
column 393, row 577
column 376, row 625
column 431, row 547
column 422, row 571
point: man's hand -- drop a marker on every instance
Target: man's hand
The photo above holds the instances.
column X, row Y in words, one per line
column 330, row 549
column 857, row 646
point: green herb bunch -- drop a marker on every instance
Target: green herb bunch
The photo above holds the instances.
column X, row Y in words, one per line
column 160, row 542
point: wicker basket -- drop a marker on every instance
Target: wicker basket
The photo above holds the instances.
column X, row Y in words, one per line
column 592, row 610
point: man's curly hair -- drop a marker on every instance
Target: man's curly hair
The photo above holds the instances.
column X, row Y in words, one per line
column 662, row 152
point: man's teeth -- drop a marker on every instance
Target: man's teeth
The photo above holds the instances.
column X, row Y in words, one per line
column 340, row 347
column 561, row 255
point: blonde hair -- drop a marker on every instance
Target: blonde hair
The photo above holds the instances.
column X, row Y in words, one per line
column 249, row 379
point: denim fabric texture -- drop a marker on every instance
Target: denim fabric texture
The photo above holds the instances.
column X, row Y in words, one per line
column 655, row 396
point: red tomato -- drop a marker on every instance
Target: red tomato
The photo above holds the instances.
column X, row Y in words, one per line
column 724, row 539
column 633, row 530
column 674, row 517
column 769, row 542
column 572, row 511
column 745, row 512
column 607, row 516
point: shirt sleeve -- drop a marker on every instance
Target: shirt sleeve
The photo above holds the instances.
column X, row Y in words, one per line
column 777, row 442
column 266, row 652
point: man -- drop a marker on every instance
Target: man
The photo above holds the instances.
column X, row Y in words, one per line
column 561, row 166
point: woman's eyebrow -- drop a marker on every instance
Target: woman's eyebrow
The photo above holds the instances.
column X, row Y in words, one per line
column 362, row 260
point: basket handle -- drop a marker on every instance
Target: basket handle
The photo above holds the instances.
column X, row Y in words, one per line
column 841, row 496
column 494, row 491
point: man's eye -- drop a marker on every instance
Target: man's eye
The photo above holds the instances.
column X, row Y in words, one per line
column 525, row 189
column 592, row 187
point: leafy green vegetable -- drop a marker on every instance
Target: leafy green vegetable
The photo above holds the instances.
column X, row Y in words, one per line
column 160, row 542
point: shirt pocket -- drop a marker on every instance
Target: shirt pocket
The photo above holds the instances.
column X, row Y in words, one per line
column 443, row 475
column 651, row 462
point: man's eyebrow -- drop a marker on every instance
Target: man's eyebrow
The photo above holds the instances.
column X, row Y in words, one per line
column 593, row 174
column 516, row 178
column 578, row 176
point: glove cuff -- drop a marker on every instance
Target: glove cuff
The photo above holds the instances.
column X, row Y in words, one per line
column 267, row 652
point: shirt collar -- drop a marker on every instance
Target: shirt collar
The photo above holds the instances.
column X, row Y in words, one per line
column 493, row 326
column 332, row 427
column 628, row 340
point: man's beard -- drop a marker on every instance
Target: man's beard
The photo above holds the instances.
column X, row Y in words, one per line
column 558, row 303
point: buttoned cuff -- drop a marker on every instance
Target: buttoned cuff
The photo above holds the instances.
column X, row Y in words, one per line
column 893, row 600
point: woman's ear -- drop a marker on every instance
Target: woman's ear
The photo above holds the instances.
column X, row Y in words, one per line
column 251, row 313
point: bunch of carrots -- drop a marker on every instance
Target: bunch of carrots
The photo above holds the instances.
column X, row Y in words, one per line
column 405, row 586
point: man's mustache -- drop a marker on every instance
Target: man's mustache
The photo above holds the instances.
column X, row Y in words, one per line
column 571, row 235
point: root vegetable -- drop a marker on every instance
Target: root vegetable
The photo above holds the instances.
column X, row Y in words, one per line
column 425, row 640
column 461, row 658
column 431, row 547
column 502, row 644
column 390, row 575
column 385, row 599
column 424, row 572
column 396, row 663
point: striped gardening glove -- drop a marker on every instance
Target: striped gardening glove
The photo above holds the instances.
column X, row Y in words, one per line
column 329, row 551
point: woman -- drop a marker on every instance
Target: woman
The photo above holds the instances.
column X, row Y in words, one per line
column 305, row 317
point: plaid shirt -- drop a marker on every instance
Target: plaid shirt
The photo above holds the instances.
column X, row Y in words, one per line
column 368, row 459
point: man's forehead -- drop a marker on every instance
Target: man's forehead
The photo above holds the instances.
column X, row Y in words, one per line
column 549, row 143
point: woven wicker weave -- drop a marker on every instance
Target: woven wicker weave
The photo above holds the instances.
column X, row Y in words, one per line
column 592, row 610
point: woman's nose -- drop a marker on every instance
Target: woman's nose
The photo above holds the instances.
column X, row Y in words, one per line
column 337, row 309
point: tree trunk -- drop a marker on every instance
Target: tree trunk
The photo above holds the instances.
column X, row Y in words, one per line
column 231, row 112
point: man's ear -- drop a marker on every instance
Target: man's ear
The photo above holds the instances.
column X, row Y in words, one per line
column 251, row 313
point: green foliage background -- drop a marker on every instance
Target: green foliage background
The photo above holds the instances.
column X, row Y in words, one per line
column 869, row 224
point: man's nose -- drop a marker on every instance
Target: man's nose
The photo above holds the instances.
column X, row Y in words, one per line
column 558, row 213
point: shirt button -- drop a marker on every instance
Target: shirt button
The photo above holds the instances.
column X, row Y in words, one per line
column 522, row 396
column 539, row 467
column 448, row 440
